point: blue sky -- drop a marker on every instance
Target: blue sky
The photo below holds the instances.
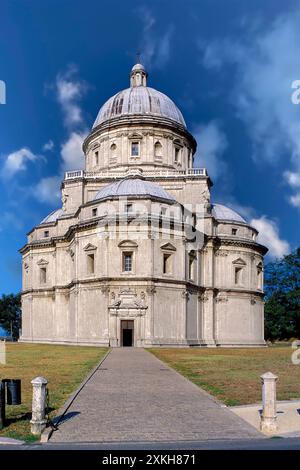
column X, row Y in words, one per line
column 228, row 65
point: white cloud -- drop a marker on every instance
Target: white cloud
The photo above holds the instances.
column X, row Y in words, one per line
column 293, row 180
column 295, row 200
column 72, row 158
column 269, row 236
column 211, row 143
column 69, row 91
column 48, row 190
column 264, row 65
column 71, row 151
column 48, row 145
column 155, row 46
column 17, row 161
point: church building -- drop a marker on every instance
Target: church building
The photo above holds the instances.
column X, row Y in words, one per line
column 138, row 254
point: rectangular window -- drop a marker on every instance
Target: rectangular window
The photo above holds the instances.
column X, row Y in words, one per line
column 238, row 275
column 176, row 158
column 91, row 263
column 96, row 158
column 167, row 263
column 46, row 233
column 127, row 262
column 163, row 211
column 128, row 208
column 94, row 211
column 234, row 231
column 43, row 275
column 135, row 149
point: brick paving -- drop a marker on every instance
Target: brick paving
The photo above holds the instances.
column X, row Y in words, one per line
column 135, row 397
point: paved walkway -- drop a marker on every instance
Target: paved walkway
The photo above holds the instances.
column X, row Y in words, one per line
column 135, row 397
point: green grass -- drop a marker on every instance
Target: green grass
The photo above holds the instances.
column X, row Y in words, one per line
column 233, row 375
column 64, row 367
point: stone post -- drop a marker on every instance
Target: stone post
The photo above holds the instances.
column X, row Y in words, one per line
column 38, row 421
column 268, row 422
column 2, row 404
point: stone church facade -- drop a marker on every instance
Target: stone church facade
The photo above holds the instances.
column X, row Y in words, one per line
column 138, row 255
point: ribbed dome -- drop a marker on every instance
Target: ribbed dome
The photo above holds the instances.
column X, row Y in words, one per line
column 133, row 187
column 141, row 100
column 221, row 212
column 52, row 217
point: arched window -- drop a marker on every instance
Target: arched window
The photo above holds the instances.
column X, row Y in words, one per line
column 113, row 149
column 158, row 150
column 259, row 272
column 192, row 265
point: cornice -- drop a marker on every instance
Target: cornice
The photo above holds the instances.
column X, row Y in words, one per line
column 122, row 280
column 219, row 242
column 189, row 288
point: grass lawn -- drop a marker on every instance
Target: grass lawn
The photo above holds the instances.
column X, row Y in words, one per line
column 233, row 375
column 64, row 367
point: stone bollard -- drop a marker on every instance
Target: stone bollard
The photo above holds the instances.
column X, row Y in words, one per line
column 2, row 405
column 38, row 421
column 268, row 422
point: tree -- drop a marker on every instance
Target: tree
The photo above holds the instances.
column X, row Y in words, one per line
column 10, row 314
column 282, row 287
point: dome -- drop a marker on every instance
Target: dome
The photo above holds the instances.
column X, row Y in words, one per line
column 139, row 99
column 133, row 187
column 221, row 212
column 138, row 67
column 52, row 217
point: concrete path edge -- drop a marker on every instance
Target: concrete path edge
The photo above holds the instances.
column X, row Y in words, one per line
column 9, row 441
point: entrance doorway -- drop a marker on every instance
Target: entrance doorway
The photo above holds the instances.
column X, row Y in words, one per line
column 127, row 333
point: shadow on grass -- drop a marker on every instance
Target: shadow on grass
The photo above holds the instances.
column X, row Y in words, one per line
column 22, row 417
column 17, row 419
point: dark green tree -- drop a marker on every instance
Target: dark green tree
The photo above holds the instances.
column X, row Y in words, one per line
column 282, row 288
column 10, row 314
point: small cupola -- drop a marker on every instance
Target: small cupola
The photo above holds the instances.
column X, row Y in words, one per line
column 138, row 76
